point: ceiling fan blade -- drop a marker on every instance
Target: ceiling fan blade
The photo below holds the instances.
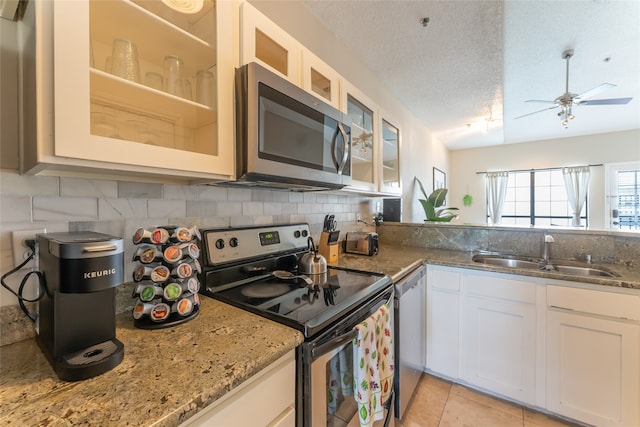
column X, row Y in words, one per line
column 540, row 101
column 596, row 90
column 536, row 112
column 612, row 101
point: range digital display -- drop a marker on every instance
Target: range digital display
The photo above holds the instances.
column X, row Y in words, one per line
column 269, row 238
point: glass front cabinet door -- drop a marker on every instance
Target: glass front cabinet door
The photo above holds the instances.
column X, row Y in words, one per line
column 390, row 175
column 364, row 138
column 137, row 87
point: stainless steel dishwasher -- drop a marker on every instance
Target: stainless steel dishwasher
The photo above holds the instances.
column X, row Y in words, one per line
column 410, row 343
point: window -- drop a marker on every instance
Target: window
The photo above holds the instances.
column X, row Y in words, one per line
column 538, row 197
column 624, row 196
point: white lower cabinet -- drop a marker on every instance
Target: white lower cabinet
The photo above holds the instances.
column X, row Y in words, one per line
column 443, row 320
column 568, row 347
column 267, row 399
column 498, row 335
column 593, row 356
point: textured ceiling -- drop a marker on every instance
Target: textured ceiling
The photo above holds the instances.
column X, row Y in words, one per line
column 479, row 60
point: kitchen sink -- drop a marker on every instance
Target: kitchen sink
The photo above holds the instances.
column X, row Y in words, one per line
column 502, row 261
column 582, row 271
column 513, row 262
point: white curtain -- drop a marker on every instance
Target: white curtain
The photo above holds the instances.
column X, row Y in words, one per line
column 576, row 181
column 496, row 185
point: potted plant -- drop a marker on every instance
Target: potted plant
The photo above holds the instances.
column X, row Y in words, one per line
column 432, row 205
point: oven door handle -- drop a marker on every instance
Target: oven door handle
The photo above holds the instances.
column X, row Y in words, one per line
column 335, row 342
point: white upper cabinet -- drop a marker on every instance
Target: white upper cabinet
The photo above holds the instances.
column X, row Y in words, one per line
column 365, row 145
column 390, row 162
column 130, row 88
column 264, row 42
column 320, row 79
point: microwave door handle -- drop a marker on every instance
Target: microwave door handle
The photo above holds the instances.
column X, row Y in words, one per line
column 345, row 153
column 336, row 342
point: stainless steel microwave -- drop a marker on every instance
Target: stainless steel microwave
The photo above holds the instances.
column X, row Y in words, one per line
column 287, row 138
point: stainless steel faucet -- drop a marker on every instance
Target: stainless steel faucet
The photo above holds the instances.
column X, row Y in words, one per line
column 546, row 250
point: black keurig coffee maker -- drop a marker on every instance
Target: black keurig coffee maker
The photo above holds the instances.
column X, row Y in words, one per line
column 76, row 321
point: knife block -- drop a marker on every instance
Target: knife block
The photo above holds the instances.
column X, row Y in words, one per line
column 328, row 246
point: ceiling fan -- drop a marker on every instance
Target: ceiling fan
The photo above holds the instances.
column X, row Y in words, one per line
column 568, row 100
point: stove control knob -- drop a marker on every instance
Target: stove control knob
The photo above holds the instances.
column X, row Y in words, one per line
column 233, row 242
column 296, row 234
column 220, row 244
column 305, row 233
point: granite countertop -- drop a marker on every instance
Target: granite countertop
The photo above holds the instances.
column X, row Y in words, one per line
column 167, row 375
column 397, row 261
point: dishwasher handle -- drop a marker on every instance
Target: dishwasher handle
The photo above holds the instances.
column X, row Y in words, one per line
column 409, row 282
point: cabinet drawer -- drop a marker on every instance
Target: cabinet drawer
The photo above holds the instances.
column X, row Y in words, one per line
column 505, row 289
column 603, row 303
column 447, row 280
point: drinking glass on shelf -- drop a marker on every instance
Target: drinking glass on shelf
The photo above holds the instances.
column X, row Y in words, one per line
column 153, row 80
column 134, row 128
column 187, row 89
column 103, row 123
column 204, row 87
column 124, row 60
column 173, row 81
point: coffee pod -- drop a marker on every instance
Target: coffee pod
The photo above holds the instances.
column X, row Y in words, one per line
column 141, row 309
column 148, row 292
column 159, row 312
column 190, row 284
column 186, row 268
column 157, row 274
column 173, row 254
column 184, row 306
column 183, row 234
column 147, row 254
column 157, row 236
column 172, row 291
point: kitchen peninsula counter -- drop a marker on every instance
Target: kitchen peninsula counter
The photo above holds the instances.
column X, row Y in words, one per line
column 397, row 261
column 167, row 375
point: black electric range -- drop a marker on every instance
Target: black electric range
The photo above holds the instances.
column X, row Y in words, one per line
column 237, row 266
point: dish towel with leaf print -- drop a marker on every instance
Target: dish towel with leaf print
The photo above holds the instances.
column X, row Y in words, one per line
column 373, row 366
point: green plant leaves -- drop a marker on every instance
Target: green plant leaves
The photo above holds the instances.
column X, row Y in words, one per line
column 433, row 201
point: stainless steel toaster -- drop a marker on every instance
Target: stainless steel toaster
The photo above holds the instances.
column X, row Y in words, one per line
column 363, row 243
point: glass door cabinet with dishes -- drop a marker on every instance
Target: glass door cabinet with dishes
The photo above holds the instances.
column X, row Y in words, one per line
column 130, row 87
column 390, row 174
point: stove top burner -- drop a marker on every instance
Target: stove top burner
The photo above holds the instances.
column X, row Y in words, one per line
column 265, row 290
column 237, row 266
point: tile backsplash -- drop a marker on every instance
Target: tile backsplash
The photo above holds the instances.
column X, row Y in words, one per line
column 118, row 208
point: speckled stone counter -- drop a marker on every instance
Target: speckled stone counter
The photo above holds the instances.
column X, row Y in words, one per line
column 397, row 261
column 167, row 375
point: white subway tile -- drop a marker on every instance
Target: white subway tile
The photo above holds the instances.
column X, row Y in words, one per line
column 141, row 190
column 252, row 208
column 166, row 208
column 76, row 187
column 239, row 194
column 208, row 192
column 109, row 209
column 230, row 209
column 15, row 209
column 65, row 208
column 13, row 184
column 272, row 208
column 181, row 192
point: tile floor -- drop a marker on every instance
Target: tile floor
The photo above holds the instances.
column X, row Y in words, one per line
column 439, row 403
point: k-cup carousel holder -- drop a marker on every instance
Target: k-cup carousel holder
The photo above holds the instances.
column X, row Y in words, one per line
column 166, row 276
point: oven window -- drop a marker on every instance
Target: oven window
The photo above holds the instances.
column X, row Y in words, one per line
column 341, row 406
column 293, row 133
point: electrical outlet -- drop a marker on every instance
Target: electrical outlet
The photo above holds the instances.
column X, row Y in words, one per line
column 22, row 251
